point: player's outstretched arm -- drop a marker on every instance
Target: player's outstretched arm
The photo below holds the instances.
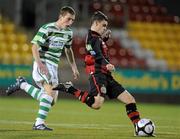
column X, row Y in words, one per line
column 70, row 57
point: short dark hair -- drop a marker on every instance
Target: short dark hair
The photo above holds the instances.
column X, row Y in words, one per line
column 98, row 16
column 67, row 9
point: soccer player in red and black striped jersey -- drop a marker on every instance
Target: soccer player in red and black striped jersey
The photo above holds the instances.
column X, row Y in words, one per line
column 99, row 69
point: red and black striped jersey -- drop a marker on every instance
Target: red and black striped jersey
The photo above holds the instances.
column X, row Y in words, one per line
column 96, row 53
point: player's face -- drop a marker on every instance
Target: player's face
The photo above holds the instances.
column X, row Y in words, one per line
column 102, row 26
column 67, row 20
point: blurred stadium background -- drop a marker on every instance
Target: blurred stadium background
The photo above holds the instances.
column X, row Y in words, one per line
column 145, row 43
column 145, row 47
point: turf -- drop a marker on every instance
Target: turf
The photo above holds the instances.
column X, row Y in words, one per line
column 71, row 119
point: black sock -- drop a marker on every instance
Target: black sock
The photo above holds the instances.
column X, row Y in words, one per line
column 81, row 95
column 72, row 90
column 132, row 112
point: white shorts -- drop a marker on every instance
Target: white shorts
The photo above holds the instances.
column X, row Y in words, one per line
column 39, row 78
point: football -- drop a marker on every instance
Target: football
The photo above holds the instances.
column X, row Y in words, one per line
column 145, row 127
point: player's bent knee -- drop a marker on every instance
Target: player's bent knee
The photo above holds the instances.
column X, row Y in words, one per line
column 95, row 102
column 96, row 106
column 98, row 102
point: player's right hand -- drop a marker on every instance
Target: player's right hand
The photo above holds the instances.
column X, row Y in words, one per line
column 110, row 67
column 106, row 35
column 43, row 68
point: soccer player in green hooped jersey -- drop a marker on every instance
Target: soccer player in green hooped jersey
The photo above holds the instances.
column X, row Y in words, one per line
column 47, row 48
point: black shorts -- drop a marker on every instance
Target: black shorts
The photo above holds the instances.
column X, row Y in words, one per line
column 105, row 85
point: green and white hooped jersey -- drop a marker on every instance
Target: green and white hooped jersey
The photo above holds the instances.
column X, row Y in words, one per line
column 51, row 40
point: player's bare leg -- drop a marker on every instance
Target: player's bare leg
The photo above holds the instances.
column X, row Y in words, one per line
column 126, row 97
column 49, row 89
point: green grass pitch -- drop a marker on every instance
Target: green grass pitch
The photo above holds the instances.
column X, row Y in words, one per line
column 71, row 119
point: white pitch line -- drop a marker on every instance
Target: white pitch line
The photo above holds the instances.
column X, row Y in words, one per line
column 65, row 125
column 85, row 126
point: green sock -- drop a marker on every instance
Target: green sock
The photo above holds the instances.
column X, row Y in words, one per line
column 44, row 107
column 32, row 91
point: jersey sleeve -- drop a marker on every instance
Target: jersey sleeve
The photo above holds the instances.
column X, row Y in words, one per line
column 41, row 37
